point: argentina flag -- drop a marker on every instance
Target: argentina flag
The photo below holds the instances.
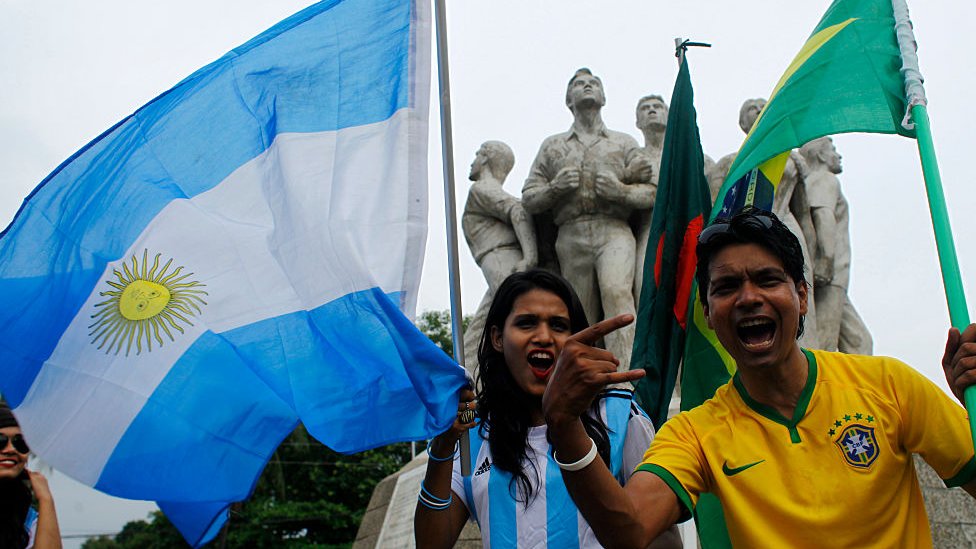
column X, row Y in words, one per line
column 239, row 255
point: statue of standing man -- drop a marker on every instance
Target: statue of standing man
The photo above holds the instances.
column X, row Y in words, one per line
column 578, row 177
column 499, row 232
column 652, row 121
column 839, row 327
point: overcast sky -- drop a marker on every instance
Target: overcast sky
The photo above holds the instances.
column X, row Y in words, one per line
column 70, row 70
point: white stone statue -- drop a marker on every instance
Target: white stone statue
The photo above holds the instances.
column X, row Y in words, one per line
column 499, row 232
column 748, row 114
column 652, row 121
column 584, row 180
column 839, row 326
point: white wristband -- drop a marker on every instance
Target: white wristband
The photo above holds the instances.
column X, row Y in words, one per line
column 577, row 465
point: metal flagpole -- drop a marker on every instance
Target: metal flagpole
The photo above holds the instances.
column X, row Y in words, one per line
column 917, row 117
column 450, row 207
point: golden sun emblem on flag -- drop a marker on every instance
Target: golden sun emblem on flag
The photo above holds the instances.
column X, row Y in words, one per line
column 146, row 303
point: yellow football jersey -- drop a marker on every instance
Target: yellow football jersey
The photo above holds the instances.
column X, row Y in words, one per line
column 839, row 473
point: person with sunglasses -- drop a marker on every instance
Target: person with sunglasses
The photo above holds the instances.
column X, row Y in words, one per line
column 802, row 448
column 22, row 526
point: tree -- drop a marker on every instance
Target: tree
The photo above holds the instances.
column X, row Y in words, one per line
column 308, row 496
column 436, row 325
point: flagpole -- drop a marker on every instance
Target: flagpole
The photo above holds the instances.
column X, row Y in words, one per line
column 450, row 207
column 917, row 118
column 951, row 277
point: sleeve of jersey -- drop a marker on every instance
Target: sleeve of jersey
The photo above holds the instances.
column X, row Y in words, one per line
column 675, row 456
column 934, row 425
column 31, row 526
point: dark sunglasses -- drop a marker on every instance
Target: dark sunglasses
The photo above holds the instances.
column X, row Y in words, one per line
column 17, row 440
column 756, row 220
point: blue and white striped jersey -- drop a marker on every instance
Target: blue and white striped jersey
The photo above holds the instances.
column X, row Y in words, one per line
column 31, row 526
column 550, row 519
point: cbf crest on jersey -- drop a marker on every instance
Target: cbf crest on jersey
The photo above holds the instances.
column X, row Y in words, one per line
column 859, row 445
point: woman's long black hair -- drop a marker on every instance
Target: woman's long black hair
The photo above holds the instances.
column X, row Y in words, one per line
column 15, row 501
column 504, row 408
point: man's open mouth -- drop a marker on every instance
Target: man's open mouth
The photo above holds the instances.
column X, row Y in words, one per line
column 541, row 363
column 757, row 333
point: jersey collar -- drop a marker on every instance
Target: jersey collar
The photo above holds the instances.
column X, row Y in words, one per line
column 771, row 413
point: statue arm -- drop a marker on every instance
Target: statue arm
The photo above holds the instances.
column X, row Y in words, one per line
column 544, row 189
column 637, row 196
column 635, row 187
column 492, row 200
column 525, row 232
column 825, row 225
column 822, row 190
column 535, row 198
column 800, row 207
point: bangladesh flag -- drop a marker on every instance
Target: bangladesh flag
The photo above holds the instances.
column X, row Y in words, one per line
column 847, row 77
column 669, row 266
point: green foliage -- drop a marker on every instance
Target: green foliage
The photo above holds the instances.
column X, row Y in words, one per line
column 157, row 533
column 436, row 325
column 308, row 496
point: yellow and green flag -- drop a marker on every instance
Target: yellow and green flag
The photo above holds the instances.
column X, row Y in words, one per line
column 847, row 77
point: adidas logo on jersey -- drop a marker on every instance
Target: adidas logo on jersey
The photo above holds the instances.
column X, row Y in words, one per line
column 484, row 468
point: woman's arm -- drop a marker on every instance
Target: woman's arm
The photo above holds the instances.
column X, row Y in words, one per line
column 48, row 534
column 436, row 524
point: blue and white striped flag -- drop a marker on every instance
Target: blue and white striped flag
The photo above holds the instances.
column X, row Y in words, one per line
column 235, row 257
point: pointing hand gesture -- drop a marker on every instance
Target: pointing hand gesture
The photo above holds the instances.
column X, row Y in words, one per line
column 582, row 371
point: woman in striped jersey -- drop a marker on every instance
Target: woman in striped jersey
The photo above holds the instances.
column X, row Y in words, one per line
column 515, row 491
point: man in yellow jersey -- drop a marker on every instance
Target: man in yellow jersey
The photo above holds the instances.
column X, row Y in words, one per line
column 802, row 448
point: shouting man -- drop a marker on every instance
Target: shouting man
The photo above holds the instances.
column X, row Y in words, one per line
column 803, row 448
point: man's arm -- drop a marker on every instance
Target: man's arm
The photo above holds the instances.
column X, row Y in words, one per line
column 959, row 361
column 959, row 366
column 629, row 516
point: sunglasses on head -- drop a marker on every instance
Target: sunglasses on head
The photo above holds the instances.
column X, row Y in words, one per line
column 18, row 442
column 756, row 220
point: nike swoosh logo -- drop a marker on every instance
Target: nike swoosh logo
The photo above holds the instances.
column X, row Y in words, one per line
column 731, row 471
